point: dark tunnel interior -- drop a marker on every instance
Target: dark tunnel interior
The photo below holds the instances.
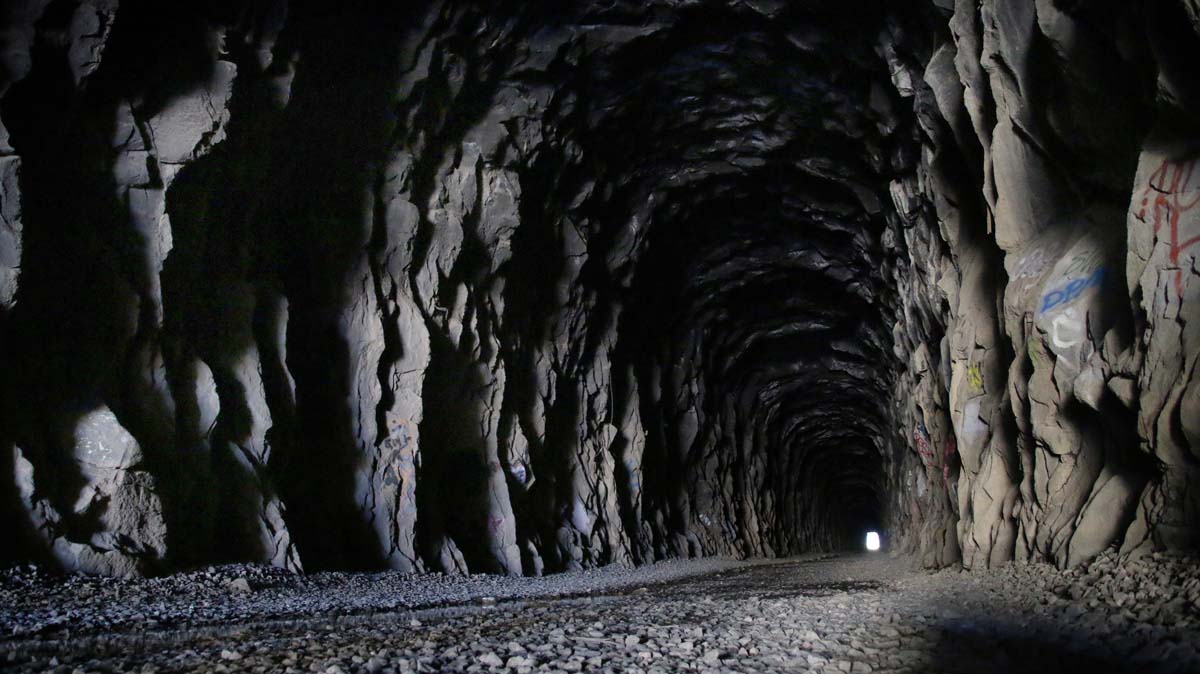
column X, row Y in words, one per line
column 438, row 298
column 525, row 291
column 511, row 288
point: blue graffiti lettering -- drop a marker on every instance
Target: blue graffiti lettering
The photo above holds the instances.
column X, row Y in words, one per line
column 1071, row 290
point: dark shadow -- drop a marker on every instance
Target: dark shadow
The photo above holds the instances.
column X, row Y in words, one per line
column 453, row 491
column 531, row 277
column 85, row 323
column 210, row 296
column 84, row 311
column 330, row 145
column 986, row 645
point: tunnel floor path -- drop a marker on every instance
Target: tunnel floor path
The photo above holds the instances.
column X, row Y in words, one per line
column 857, row 613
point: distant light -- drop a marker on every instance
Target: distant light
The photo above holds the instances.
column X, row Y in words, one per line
column 872, row 541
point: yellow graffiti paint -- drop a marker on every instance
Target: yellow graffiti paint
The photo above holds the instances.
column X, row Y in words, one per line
column 975, row 378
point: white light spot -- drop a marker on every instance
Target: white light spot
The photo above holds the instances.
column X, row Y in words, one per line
column 872, row 541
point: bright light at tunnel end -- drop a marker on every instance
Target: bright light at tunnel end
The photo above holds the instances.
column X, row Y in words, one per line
column 872, row 541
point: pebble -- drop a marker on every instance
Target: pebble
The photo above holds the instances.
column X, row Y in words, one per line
column 850, row 615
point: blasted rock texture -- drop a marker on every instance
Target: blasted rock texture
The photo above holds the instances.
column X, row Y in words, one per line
column 1052, row 232
column 496, row 287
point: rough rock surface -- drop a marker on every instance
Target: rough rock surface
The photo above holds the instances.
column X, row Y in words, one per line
column 510, row 288
column 845, row 615
column 1051, row 354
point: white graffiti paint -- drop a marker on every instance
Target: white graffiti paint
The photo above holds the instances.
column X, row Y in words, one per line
column 1030, row 268
column 1071, row 292
column 1066, row 330
column 101, row 441
column 973, row 427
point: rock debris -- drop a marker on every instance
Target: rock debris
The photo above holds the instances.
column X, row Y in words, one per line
column 821, row 614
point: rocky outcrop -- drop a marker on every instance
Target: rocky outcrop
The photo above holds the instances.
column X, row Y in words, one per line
column 492, row 287
column 1060, row 372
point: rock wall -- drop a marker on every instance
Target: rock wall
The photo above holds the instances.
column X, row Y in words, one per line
column 1050, row 388
column 493, row 287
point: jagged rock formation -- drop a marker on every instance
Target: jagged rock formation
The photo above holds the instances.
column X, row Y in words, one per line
column 1052, row 226
column 496, row 287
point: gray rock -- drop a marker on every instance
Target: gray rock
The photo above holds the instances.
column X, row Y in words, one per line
column 520, row 292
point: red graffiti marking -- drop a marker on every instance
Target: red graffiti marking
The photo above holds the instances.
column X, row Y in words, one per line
column 922, row 442
column 929, row 456
column 1164, row 198
column 947, row 455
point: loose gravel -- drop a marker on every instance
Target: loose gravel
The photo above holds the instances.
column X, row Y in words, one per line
column 35, row 602
column 838, row 615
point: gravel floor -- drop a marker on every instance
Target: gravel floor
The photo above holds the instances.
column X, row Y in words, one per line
column 847, row 614
column 37, row 603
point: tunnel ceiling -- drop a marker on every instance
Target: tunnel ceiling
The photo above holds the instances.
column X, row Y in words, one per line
column 499, row 287
column 758, row 302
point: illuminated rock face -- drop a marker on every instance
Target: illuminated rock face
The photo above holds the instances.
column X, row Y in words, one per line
column 504, row 289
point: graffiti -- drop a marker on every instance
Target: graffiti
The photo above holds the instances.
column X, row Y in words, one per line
column 494, row 524
column 1030, row 268
column 1031, row 348
column 399, row 470
column 704, row 519
column 930, row 458
column 1082, row 263
column 1164, row 200
column 948, row 451
column 1072, row 290
column 972, row 425
column 519, row 472
column 1066, row 330
column 921, row 438
column 975, row 378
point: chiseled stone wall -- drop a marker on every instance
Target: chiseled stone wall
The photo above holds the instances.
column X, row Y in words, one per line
column 496, row 287
column 1060, row 376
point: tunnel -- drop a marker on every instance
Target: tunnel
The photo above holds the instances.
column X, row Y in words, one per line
column 315, row 294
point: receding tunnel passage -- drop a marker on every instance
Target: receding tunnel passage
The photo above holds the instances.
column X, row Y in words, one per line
column 739, row 335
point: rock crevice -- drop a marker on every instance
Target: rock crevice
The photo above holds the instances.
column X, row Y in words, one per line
column 492, row 287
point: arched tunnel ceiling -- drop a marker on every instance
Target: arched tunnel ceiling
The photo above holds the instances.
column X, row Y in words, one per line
column 761, row 139
column 520, row 288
